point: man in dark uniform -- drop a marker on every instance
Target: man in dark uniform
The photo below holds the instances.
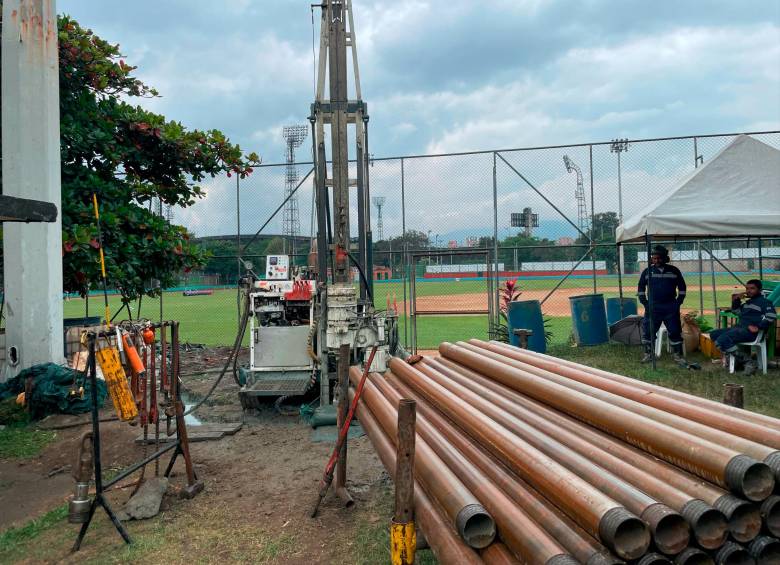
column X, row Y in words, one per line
column 755, row 314
column 667, row 287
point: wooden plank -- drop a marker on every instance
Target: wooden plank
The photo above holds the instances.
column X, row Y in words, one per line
column 227, row 428
column 13, row 209
column 192, row 436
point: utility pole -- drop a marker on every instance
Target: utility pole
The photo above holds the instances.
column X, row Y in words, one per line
column 31, row 169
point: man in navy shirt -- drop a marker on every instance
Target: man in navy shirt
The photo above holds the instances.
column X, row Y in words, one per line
column 755, row 314
column 667, row 288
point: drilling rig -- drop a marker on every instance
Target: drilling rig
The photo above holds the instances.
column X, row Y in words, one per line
column 341, row 326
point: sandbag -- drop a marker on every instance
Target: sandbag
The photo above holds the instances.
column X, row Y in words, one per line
column 691, row 333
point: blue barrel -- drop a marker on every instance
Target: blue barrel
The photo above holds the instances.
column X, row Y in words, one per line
column 613, row 309
column 589, row 319
column 527, row 315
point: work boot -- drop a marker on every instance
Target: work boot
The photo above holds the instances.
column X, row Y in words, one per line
column 648, row 357
column 677, row 355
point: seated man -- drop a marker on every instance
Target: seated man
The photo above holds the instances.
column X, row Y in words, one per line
column 755, row 314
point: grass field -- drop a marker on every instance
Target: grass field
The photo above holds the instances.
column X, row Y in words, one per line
column 212, row 319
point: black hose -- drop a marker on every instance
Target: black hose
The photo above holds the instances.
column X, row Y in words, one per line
column 233, row 357
column 362, row 276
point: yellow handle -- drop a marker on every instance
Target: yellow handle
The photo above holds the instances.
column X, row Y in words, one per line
column 102, row 257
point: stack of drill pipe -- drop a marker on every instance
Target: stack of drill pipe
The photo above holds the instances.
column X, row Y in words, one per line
column 565, row 478
column 572, row 446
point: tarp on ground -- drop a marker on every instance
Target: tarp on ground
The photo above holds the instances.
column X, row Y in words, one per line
column 734, row 194
column 55, row 390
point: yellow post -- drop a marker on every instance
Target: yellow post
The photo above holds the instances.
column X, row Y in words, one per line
column 403, row 538
column 403, row 543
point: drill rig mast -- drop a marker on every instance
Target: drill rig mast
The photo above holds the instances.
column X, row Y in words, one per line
column 347, row 323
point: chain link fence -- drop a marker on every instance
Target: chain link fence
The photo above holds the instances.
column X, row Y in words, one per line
column 453, row 228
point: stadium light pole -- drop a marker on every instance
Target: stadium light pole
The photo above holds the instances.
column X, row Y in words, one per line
column 618, row 146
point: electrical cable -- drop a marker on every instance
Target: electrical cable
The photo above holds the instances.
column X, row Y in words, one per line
column 268, row 221
column 233, row 357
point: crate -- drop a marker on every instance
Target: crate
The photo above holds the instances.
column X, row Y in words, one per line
column 708, row 347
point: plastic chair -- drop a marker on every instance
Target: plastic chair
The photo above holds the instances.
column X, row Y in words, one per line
column 761, row 354
column 659, row 342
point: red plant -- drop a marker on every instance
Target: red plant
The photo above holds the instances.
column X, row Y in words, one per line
column 509, row 292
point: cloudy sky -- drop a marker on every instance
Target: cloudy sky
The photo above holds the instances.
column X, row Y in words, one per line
column 459, row 75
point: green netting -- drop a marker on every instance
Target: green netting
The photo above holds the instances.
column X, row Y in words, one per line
column 56, row 390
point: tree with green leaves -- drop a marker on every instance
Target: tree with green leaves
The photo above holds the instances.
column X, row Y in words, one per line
column 133, row 160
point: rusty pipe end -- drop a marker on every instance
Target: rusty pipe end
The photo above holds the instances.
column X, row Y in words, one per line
column 709, row 526
column 653, row 559
column 562, row 559
column 669, row 529
column 733, row 554
column 624, row 533
column 765, row 549
column 750, row 478
column 693, row 556
column 344, row 495
column 770, row 512
column 604, row 558
column 744, row 517
column 475, row 526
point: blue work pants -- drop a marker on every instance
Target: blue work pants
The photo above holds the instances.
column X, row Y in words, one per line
column 727, row 338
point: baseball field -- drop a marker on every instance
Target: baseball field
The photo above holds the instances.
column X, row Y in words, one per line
column 458, row 304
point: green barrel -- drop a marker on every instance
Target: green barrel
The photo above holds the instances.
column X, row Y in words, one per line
column 613, row 309
column 527, row 315
column 589, row 319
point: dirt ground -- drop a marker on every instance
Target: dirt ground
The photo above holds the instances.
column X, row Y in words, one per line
column 264, row 477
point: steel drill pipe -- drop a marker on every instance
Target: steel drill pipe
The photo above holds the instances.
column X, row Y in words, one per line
column 709, row 525
column 711, row 461
column 733, row 425
column 693, row 556
column 620, row 530
column 518, row 530
column 733, row 554
column 442, row 538
column 670, row 531
column 758, row 451
column 577, row 541
column 765, row 550
column 717, row 407
column 744, row 519
column 474, row 524
column 654, row 559
column 770, row 512
column 498, row 554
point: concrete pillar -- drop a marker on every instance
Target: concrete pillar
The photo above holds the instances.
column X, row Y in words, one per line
column 31, row 169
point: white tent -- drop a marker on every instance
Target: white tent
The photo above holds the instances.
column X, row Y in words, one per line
column 735, row 194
